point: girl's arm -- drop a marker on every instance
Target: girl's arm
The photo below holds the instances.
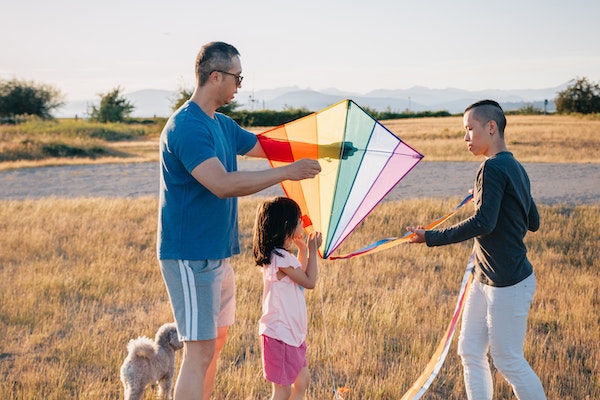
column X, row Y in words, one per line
column 308, row 255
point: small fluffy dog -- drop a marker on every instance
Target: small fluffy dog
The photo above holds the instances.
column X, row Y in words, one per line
column 151, row 361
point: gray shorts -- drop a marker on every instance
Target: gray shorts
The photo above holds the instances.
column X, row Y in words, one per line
column 202, row 294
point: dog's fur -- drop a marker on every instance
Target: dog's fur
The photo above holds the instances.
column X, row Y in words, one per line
column 151, row 361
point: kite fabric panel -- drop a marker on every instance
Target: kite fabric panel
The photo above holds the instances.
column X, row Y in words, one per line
column 361, row 162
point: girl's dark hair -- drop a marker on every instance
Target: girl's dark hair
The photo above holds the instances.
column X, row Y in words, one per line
column 276, row 220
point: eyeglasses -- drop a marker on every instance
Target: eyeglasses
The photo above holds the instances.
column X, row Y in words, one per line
column 238, row 78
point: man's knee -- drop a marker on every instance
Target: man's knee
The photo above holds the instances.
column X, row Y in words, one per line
column 468, row 350
column 199, row 352
column 508, row 364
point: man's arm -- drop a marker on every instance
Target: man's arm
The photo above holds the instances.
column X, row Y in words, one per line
column 213, row 175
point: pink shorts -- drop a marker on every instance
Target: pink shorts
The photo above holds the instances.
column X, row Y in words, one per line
column 281, row 362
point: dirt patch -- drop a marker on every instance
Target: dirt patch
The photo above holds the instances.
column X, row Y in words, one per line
column 551, row 183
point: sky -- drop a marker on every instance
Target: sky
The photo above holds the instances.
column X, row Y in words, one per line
column 87, row 48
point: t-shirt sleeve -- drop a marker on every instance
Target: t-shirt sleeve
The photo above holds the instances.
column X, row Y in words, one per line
column 244, row 140
column 196, row 149
column 281, row 259
column 534, row 217
column 190, row 141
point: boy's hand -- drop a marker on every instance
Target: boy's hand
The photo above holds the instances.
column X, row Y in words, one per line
column 418, row 234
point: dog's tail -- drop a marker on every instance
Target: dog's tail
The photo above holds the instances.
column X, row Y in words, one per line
column 142, row 347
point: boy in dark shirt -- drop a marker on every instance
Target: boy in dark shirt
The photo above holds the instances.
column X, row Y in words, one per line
column 495, row 314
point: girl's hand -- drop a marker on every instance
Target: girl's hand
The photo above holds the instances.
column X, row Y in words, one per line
column 315, row 239
column 299, row 241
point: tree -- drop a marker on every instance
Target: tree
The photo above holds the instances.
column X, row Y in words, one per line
column 580, row 97
column 113, row 107
column 182, row 96
column 19, row 97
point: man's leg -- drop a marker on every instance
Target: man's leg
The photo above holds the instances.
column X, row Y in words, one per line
column 211, row 372
column 197, row 356
column 473, row 345
column 509, row 308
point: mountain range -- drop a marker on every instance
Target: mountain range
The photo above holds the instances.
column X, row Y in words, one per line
column 158, row 103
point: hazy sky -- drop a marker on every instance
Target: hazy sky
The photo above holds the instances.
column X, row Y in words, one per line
column 84, row 48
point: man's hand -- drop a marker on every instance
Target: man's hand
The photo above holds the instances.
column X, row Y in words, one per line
column 303, row 169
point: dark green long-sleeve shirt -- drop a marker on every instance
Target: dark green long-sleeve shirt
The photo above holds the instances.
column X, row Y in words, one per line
column 504, row 212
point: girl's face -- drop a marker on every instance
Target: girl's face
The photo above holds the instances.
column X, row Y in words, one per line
column 297, row 234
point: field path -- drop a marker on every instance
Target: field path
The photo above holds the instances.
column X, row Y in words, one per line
column 551, row 183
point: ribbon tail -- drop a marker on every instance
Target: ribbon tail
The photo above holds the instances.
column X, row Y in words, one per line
column 387, row 243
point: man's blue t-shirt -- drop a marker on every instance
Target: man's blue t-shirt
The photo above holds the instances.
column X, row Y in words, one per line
column 193, row 223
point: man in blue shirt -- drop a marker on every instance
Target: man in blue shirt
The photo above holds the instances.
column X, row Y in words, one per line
column 197, row 224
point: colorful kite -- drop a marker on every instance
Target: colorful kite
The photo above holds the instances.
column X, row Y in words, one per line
column 361, row 162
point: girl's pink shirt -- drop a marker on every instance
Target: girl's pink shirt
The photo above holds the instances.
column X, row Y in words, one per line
column 284, row 314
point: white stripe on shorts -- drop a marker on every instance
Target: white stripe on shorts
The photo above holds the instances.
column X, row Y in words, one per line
column 189, row 295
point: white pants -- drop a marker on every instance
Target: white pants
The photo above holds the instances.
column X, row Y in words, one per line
column 496, row 318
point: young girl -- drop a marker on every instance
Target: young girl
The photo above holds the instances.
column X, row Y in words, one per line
column 284, row 321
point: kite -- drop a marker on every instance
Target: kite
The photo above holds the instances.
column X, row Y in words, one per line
column 361, row 162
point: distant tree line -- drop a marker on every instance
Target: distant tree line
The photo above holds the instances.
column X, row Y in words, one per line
column 581, row 96
column 19, row 98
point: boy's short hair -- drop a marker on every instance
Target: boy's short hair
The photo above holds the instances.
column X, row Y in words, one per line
column 487, row 110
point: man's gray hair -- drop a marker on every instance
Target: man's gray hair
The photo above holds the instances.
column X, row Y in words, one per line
column 213, row 56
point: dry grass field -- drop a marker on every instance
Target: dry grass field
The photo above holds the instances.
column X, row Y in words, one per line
column 532, row 138
column 79, row 278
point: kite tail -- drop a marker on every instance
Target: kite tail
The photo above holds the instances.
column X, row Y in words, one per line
column 432, row 369
column 386, row 243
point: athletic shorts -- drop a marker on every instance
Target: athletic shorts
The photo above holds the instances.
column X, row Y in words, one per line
column 202, row 295
column 281, row 362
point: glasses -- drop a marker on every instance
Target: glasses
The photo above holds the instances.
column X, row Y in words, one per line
column 238, row 78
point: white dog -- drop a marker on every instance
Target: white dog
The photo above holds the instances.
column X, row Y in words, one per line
column 151, row 361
